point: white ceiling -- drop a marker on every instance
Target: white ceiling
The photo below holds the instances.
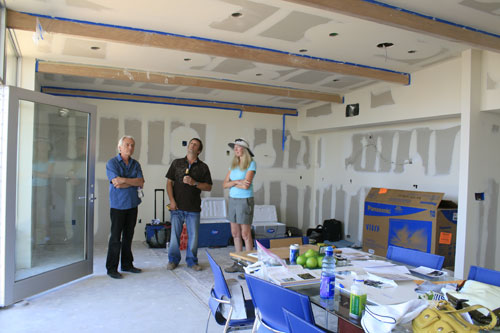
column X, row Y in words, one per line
column 281, row 26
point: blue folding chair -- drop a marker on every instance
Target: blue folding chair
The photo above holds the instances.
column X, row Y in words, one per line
column 299, row 325
column 269, row 299
column 220, row 295
column 484, row 275
column 414, row 257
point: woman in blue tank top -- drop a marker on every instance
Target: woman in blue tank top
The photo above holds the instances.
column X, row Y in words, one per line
column 239, row 180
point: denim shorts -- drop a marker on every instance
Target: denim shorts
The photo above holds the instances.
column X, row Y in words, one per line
column 241, row 210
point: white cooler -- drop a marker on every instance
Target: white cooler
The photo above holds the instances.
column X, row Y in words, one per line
column 215, row 229
column 265, row 222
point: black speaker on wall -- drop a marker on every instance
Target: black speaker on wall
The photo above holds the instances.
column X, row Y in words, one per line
column 352, row 110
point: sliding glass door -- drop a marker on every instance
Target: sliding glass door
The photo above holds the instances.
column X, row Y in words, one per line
column 47, row 196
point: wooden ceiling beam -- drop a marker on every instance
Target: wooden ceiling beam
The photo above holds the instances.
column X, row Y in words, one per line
column 177, row 80
column 407, row 20
column 23, row 21
column 166, row 100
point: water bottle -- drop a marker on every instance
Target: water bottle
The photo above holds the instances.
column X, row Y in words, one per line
column 357, row 298
column 327, row 287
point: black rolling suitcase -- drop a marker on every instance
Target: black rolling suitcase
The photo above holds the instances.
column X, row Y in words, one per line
column 158, row 234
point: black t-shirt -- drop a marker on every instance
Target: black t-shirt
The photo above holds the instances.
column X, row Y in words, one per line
column 186, row 196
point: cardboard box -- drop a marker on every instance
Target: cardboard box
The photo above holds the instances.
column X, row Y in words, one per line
column 410, row 219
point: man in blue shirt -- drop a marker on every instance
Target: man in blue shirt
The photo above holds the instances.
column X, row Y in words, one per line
column 125, row 182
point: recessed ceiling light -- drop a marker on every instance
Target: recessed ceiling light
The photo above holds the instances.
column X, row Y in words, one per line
column 302, row 50
column 333, row 34
column 412, row 51
column 237, row 14
column 335, row 80
column 187, row 59
column 258, row 74
column 95, row 48
column 384, row 45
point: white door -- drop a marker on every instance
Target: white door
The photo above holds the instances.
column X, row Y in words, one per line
column 47, row 159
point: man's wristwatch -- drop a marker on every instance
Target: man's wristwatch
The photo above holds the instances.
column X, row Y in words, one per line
column 195, row 184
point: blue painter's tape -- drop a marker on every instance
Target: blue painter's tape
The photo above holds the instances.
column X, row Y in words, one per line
column 432, row 18
column 217, row 41
column 410, row 234
column 36, row 66
column 380, row 209
column 241, row 114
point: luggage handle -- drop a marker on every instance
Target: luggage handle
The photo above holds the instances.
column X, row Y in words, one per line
column 163, row 203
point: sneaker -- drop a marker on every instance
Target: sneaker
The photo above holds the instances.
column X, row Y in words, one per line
column 196, row 267
column 132, row 270
column 235, row 268
column 115, row 275
column 171, row 266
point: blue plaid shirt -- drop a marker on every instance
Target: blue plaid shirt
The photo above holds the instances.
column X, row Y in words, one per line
column 123, row 198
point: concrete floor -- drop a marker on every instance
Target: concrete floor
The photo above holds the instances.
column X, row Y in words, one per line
column 155, row 300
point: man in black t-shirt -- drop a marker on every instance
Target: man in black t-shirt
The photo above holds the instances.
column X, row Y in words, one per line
column 186, row 178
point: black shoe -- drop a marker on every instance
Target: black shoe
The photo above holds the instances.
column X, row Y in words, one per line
column 115, row 275
column 235, row 268
column 132, row 270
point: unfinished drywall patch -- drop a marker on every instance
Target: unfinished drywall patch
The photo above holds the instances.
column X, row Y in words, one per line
column 277, row 142
column 306, row 209
column 445, row 141
column 309, row 77
column 275, row 196
column 340, row 195
column 197, row 90
column 490, row 83
column 201, row 129
column 319, row 153
column 133, row 127
column 341, row 82
column 403, row 152
column 293, row 155
column 316, row 208
column 294, row 26
column 152, row 86
column 292, row 206
column 383, row 147
column 260, row 136
column 108, row 138
column 102, row 222
column 233, row 66
column 307, row 151
column 423, row 143
column 119, row 83
column 353, row 228
column 492, row 194
column 83, row 48
column 488, row 7
column 156, row 142
column 327, row 203
column 178, row 136
column 217, row 189
column 252, row 14
column 322, row 110
column 77, row 79
column 381, row 99
column 259, row 195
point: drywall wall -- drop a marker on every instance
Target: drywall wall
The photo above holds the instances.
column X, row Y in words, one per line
column 284, row 178
column 419, row 156
column 433, row 93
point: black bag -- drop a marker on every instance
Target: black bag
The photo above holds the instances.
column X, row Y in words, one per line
column 315, row 234
column 332, row 230
column 157, row 234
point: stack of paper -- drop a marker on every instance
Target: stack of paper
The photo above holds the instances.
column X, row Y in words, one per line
column 293, row 275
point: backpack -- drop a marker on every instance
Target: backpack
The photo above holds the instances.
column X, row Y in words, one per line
column 332, row 230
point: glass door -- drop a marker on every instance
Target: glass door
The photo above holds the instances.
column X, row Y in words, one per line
column 47, row 194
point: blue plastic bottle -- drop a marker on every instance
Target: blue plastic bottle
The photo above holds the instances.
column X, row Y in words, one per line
column 327, row 288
